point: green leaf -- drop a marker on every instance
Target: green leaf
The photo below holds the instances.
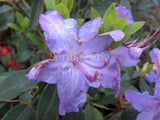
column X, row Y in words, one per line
column 19, row 112
column 128, row 30
column 98, row 114
column 117, row 24
column 35, row 40
column 4, row 8
column 36, row 10
column 19, row 17
column 147, row 67
column 129, row 114
column 50, row 4
column 89, row 113
column 48, row 104
column 69, row 4
column 14, row 26
column 57, row 1
column 74, row 115
column 79, row 22
column 126, row 3
column 109, row 16
column 145, row 87
column 25, row 23
column 94, row 13
column 14, row 85
column 26, row 96
column 63, row 10
column 5, row 19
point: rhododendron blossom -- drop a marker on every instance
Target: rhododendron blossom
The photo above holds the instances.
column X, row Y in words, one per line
column 80, row 59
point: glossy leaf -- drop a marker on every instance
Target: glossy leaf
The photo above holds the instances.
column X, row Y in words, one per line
column 36, row 10
column 14, row 85
column 19, row 112
column 128, row 30
column 89, row 113
column 74, row 115
column 48, row 104
column 14, row 26
column 94, row 13
column 117, row 24
column 63, row 10
column 98, row 115
column 50, row 4
column 35, row 40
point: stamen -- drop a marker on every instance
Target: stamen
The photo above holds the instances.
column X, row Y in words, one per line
column 96, row 67
column 145, row 40
column 109, row 49
column 89, row 77
column 79, row 42
column 105, row 64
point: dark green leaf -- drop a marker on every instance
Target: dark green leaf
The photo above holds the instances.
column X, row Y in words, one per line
column 48, row 104
column 50, row 4
column 98, row 114
column 63, row 10
column 145, row 87
column 128, row 30
column 14, row 26
column 26, row 96
column 36, row 10
column 19, row 112
column 35, row 40
column 94, row 13
column 89, row 113
column 4, row 8
column 5, row 19
column 74, row 116
column 129, row 114
column 14, row 85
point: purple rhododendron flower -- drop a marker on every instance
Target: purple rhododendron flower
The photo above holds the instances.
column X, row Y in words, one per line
column 81, row 59
column 149, row 106
column 154, row 74
column 123, row 12
column 128, row 54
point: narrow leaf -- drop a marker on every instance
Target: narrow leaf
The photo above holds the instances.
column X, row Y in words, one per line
column 19, row 17
column 19, row 112
column 14, row 26
column 94, row 13
column 14, row 85
column 35, row 40
column 128, row 30
column 36, row 10
column 48, row 104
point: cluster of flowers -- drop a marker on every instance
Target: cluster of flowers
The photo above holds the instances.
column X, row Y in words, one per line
column 75, row 75
column 10, row 63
